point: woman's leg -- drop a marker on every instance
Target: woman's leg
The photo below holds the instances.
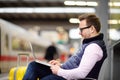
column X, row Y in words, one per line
column 36, row 70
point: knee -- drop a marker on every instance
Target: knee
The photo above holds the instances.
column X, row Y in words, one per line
column 32, row 64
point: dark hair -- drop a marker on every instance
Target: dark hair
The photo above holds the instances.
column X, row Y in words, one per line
column 91, row 19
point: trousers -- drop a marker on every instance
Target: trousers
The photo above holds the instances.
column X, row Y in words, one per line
column 39, row 71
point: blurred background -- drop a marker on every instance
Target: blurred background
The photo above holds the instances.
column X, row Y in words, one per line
column 43, row 22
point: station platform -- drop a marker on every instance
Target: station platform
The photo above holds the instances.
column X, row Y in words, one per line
column 4, row 76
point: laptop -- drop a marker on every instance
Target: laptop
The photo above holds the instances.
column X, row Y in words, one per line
column 36, row 60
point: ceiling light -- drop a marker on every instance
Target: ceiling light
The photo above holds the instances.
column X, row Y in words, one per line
column 64, row 10
column 81, row 3
column 74, row 20
column 116, row 3
column 92, row 4
column 69, row 2
column 115, row 11
column 113, row 22
column 48, row 10
column 110, row 4
column 119, row 21
column 114, row 34
column 53, row 10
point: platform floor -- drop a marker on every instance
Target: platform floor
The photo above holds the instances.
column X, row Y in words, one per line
column 4, row 76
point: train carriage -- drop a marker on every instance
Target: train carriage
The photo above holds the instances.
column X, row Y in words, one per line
column 15, row 39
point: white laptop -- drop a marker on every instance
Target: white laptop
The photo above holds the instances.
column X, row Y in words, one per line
column 36, row 60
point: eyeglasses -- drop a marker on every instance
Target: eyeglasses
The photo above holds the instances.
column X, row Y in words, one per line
column 81, row 29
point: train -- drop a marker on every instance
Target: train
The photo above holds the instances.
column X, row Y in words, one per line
column 14, row 40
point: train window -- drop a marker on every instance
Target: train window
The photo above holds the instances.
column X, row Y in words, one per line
column 19, row 44
column 15, row 44
column 6, row 38
column 24, row 46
